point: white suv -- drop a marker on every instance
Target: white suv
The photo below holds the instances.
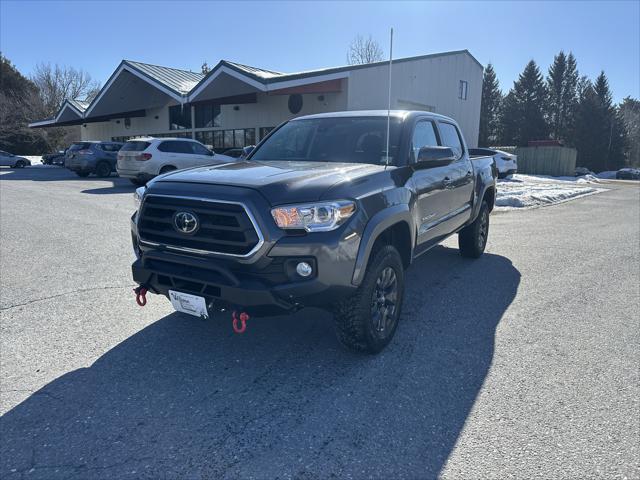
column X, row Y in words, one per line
column 141, row 159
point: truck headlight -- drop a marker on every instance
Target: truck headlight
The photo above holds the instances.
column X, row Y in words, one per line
column 314, row 217
column 137, row 196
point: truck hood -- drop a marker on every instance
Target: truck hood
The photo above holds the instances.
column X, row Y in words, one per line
column 278, row 181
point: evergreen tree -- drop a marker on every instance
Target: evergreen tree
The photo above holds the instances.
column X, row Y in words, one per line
column 589, row 129
column 570, row 100
column 555, row 87
column 523, row 116
column 630, row 112
column 615, row 132
column 562, row 82
column 490, row 107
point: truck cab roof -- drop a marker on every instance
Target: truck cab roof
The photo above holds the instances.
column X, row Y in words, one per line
column 402, row 114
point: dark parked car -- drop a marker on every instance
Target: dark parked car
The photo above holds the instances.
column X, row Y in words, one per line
column 54, row 158
column 85, row 158
column 628, row 174
column 239, row 153
column 233, row 152
column 10, row 160
column 318, row 215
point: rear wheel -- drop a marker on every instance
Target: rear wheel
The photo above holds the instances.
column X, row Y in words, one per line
column 103, row 169
column 20, row 164
column 367, row 321
column 472, row 239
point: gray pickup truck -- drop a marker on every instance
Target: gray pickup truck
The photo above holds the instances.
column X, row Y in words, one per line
column 319, row 214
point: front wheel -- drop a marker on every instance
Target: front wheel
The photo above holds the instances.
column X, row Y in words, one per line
column 20, row 164
column 367, row 321
column 472, row 239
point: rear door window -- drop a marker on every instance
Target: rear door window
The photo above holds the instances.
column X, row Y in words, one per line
column 451, row 138
column 175, row 146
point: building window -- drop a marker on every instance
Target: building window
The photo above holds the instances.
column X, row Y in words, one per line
column 221, row 140
column 264, row 131
column 207, row 115
column 180, row 117
column 462, row 90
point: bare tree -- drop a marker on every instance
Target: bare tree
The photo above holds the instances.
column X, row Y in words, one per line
column 364, row 50
column 57, row 83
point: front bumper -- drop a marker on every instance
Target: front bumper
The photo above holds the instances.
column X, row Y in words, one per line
column 265, row 283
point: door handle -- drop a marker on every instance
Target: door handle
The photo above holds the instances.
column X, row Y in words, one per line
column 447, row 182
column 469, row 173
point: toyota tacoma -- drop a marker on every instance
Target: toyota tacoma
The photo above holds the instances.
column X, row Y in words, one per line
column 327, row 211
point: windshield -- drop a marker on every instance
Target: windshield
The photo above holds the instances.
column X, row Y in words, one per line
column 337, row 139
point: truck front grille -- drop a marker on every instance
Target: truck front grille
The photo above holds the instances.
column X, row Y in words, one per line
column 223, row 228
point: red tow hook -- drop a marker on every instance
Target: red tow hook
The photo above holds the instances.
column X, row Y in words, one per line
column 239, row 323
column 141, row 295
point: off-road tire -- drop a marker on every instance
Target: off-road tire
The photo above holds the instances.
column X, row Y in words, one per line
column 472, row 239
column 353, row 317
column 103, row 170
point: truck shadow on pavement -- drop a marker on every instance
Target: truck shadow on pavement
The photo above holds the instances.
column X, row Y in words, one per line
column 188, row 399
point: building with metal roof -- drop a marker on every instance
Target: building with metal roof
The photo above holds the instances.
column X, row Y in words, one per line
column 234, row 105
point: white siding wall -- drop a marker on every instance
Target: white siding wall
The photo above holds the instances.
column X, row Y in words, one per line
column 272, row 110
column 139, row 126
column 430, row 83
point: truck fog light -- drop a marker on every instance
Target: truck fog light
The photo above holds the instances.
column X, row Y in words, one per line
column 304, row 269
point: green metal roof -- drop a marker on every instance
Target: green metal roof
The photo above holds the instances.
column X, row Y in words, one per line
column 176, row 80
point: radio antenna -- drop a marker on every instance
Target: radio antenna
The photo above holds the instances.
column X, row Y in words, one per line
column 386, row 163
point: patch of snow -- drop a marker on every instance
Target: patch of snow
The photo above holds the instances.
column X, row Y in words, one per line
column 34, row 159
column 530, row 191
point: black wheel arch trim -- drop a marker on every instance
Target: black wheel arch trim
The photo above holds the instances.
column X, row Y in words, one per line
column 380, row 222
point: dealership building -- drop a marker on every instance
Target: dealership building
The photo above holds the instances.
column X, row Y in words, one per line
column 236, row 105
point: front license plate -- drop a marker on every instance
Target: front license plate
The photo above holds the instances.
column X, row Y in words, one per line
column 190, row 304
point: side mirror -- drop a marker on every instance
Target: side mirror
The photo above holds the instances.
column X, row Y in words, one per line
column 247, row 150
column 435, row 156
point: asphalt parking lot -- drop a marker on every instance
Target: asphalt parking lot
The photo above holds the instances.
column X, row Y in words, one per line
column 522, row 364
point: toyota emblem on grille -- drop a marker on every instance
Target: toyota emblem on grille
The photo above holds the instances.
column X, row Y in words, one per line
column 185, row 222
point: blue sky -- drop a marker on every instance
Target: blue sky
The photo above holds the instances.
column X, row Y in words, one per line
column 294, row 36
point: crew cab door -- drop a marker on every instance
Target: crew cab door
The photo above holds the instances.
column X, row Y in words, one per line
column 429, row 183
column 459, row 176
